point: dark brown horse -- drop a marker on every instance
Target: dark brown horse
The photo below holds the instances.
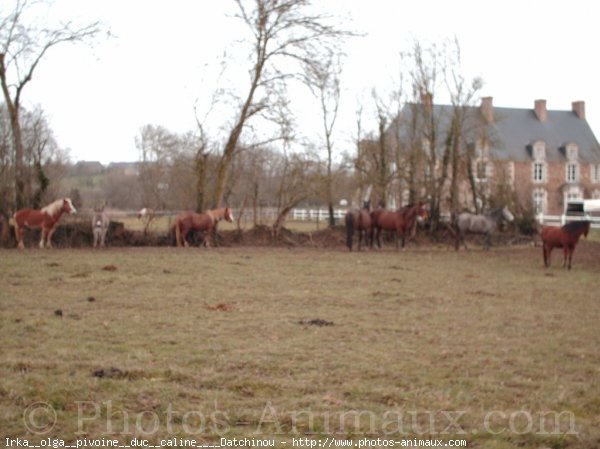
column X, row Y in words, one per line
column 565, row 237
column 359, row 220
column 400, row 221
column 45, row 218
column 205, row 221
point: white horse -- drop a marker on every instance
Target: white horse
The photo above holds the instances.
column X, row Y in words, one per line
column 100, row 223
column 485, row 224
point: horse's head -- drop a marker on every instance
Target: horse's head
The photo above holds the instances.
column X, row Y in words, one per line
column 507, row 214
column 68, row 206
column 142, row 213
column 228, row 215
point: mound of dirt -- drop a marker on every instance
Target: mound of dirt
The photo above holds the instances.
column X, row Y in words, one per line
column 79, row 234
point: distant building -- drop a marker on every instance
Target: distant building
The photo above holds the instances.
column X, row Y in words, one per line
column 124, row 168
column 553, row 156
column 87, row 168
column 546, row 157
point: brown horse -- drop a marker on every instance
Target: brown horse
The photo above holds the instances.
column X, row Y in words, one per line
column 400, row 221
column 46, row 219
column 205, row 221
column 360, row 220
column 565, row 237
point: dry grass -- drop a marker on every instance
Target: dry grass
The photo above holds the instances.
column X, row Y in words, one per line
column 207, row 343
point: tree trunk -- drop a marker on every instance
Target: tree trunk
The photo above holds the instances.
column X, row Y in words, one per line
column 201, row 161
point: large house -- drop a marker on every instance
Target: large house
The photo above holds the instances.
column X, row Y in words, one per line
column 546, row 157
column 552, row 156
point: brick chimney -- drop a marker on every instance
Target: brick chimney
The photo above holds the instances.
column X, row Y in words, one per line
column 540, row 110
column 579, row 109
column 487, row 109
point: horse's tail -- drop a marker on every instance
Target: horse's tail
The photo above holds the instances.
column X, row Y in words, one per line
column 177, row 233
column 349, row 229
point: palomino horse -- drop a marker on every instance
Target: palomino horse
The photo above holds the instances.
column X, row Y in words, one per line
column 46, row 219
column 100, row 223
column 485, row 224
column 565, row 237
column 400, row 221
column 205, row 221
column 360, row 220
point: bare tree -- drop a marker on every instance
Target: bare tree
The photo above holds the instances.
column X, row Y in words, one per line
column 463, row 93
column 285, row 34
column 23, row 45
column 157, row 147
column 323, row 79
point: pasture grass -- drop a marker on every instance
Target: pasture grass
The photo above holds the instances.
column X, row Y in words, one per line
column 429, row 343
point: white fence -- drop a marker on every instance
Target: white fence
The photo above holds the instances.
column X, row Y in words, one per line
column 560, row 220
column 316, row 214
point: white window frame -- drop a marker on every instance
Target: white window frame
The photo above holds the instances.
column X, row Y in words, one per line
column 595, row 173
column 572, row 172
column 573, row 193
column 540, row 198
column 542, row 172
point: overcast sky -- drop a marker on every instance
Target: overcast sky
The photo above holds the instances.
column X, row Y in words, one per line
column 159, row 62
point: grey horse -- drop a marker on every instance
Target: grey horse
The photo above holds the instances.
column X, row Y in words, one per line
column 485, row 224
column 100, row 223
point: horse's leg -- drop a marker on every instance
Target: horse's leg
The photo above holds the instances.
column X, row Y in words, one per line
column 49, row 236
column 43, row 234
column 571, row 250
column 565, row 255
column 545, row 251
column 207, row 237
column 103, row 238
column 19, row 236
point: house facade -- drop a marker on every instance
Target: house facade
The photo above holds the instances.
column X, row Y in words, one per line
column 541, row 158
column 548, row 157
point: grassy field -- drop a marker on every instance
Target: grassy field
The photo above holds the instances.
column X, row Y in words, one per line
column 201, row 344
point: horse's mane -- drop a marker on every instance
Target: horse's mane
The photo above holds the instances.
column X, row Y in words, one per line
column 575, row 226
column 53, row 207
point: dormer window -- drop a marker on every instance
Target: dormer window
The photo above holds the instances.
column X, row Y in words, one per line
column 572, row 168
column 571, row 152
column 539, row 151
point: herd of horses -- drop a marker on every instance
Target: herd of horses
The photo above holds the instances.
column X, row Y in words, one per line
column 366, row 223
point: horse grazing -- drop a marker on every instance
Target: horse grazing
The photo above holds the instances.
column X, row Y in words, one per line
column 485, row 224
column 205, row 221
column 359, row 220
column 565, row 237
column 400, row 221
column 45, row 218
column 100, row 223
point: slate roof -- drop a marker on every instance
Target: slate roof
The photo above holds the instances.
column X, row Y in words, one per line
column 514, row 130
